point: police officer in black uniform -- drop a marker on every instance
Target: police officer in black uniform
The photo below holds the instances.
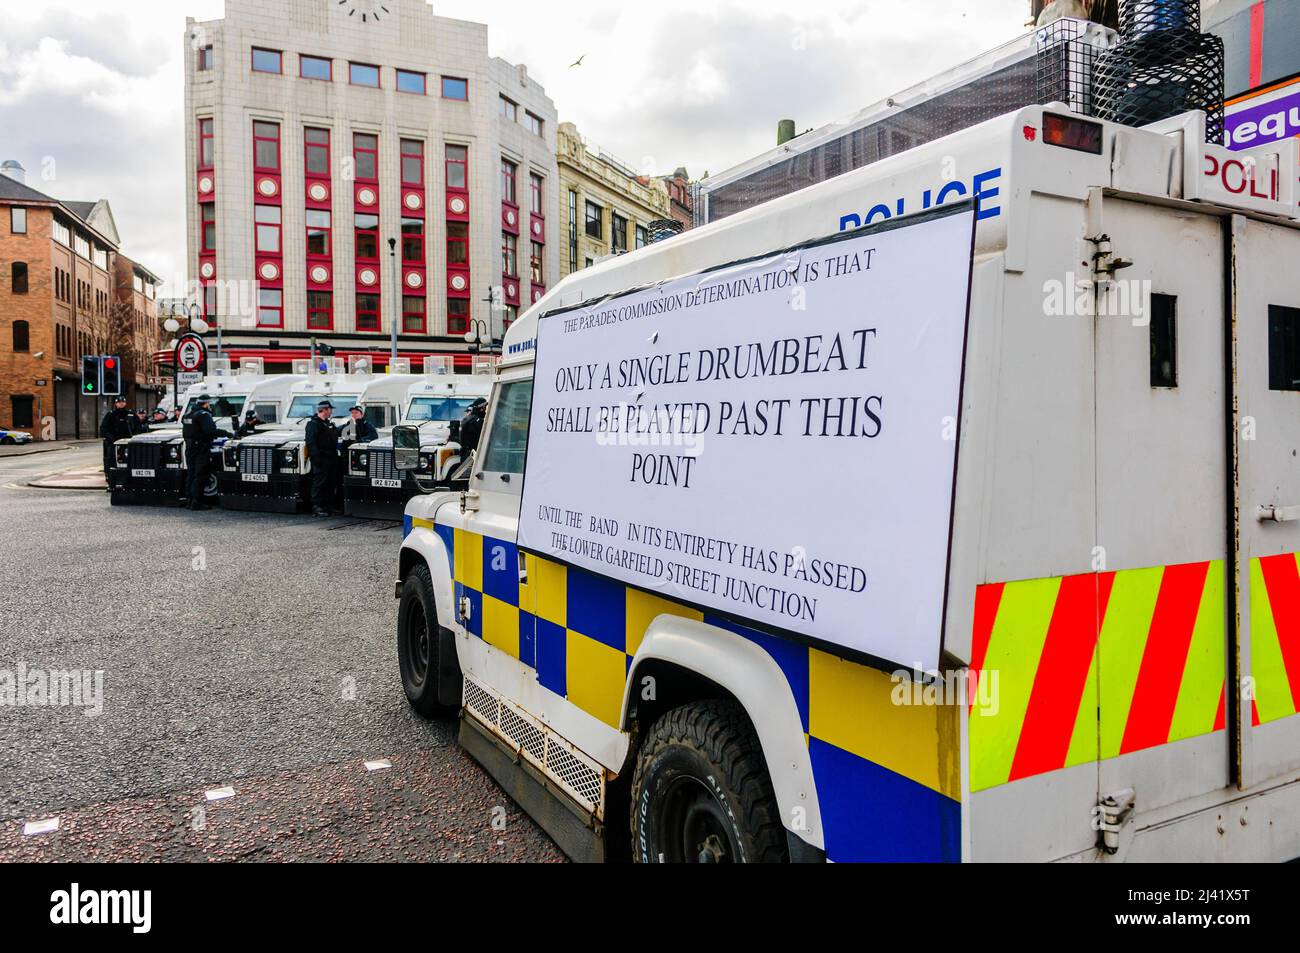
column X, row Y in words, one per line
column 118, row 424
column 322, row 439
column 249, row 426
column 199, row 430
column 471, row 428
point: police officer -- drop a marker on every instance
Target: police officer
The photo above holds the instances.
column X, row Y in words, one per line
column 249, row 426
column 322, row 439
column 118, row 424
column 471, row 428
column 358, row 429
column 199, row 430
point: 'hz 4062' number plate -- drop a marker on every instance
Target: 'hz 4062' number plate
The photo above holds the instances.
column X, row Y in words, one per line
column 255, row 478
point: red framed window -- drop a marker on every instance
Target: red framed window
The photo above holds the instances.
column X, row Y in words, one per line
column 320, row 311
column 509, row 173
column 367, row 312
column 535, row 192
column 454, row 87
column 457, row 244
column 363, row 74
column 318, row 233
column 267, row 61
column 315, row 67
column 268, row 221
column 509, row 255
column 409, row 81
column 205, row 143
column 458, row 167
column 367, row 237
column 205, row 58
column 266, row 146
column 413, row 162
column 412, row 314
column 413, row 241
column 365, row 152
column 457, row 315
column 509, row 109
column 535, row 263
column 316, row 148
column 270, row 308
column 208, row 226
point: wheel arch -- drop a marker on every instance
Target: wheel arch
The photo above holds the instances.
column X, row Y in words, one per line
column 425, row 546
column 693, row 661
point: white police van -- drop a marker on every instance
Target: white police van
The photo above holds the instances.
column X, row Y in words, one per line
column 436, row 403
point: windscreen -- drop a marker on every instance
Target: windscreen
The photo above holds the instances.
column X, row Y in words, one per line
column 224, row 406
column 438, row 408
column 304, row 405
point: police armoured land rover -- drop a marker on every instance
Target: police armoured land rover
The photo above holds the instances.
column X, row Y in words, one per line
column 269, row 471
column 1031, row 591
column 152, row 468
column 435, row 404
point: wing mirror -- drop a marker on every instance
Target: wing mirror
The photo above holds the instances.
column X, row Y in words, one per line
column 406, row 448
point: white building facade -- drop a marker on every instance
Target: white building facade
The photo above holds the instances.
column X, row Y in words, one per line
column 319, row 132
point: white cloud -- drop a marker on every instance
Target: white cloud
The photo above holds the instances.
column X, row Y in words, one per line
column 96, row 85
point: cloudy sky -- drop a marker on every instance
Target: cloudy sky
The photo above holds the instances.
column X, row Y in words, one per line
column 91, row 90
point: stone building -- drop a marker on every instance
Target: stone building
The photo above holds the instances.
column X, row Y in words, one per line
column 605, row 207
column 352, row 165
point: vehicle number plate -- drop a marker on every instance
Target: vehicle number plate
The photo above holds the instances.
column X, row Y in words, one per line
column 255, row 478
column 141, row 473
column 389, row 484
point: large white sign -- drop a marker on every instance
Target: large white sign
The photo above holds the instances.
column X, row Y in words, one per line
column 775, row 440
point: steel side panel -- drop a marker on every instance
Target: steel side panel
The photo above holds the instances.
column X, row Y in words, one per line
column 1266, row 260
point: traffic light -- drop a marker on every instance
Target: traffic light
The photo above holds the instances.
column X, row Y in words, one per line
column 112, row 366
column 90, row 375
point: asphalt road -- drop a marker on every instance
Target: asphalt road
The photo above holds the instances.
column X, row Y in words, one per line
column 241, row 650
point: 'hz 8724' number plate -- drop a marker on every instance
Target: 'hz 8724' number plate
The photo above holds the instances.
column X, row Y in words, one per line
column 387, row 484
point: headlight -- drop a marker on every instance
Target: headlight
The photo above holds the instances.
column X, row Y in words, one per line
column 360, row 462
column 230, row 458
column 173, row 452
column 288, row 459
column 424, row 461
column 119, row 455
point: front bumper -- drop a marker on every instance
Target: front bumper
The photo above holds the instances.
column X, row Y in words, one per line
column 361, row 498
column 165, row 488
column 281, row 493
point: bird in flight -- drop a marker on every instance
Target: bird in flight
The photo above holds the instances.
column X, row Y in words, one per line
column 578, row 61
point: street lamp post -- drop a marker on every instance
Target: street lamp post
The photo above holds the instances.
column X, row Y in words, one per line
column 397, row 304
column 481, row 332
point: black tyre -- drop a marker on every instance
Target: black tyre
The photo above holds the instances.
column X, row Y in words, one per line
column 701, row 791
column 418, row 643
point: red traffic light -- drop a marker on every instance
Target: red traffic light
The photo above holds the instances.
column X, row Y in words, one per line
column 109, row 363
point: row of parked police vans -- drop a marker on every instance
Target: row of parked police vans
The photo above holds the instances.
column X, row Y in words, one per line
column 269, row 470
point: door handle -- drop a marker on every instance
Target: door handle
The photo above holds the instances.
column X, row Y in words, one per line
column 1279, row 514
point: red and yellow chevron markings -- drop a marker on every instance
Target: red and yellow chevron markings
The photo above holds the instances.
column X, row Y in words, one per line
column 1095, row 665
column 1275, row 636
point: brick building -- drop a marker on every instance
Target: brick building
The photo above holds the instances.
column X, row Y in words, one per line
column 681, row 197
column 316, row 133
column 66, row 290
column 606, row 207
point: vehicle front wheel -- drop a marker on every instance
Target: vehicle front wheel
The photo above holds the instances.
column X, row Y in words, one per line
column 701, row 791
column 418, row 643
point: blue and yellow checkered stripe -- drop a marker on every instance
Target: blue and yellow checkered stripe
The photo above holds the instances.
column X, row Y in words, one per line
column 887, row 775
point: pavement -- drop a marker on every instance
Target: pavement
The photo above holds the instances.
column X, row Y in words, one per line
column 244, row 650
column 45, row 446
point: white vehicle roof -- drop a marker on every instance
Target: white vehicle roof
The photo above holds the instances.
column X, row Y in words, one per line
column 1004, row 161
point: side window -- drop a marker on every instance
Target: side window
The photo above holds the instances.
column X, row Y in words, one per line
column 1164, row 340
column 507, row 442
column 1283, row 348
